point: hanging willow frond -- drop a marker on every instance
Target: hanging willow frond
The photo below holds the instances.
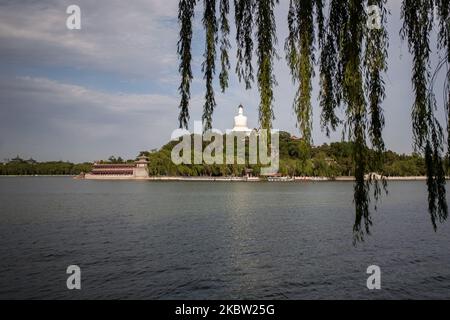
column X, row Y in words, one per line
column 443, row 7
column 417, row 25
column 244, row 10
column 299, row 48
column 354, row 99
column 266, row 52
column 428, row 136
column 320, row 19
column 224, row 10
column 375, row 64
column 350, row 79
column 331, row 66
column 209, row 64
column 185, row 17
column 444, row 44
column 290, row 45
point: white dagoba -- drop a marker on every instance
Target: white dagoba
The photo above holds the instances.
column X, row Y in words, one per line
column 240, row 122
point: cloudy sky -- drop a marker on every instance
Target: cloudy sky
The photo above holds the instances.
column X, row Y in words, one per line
column 111, row 87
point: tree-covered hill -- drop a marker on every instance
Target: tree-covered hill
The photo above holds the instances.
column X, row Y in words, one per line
column 297, row 158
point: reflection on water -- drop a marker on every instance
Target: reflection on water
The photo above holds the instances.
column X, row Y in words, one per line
column 214, row 241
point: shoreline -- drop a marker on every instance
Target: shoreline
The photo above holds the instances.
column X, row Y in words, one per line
column 281, row 179
column 220, row 179
column 37, row 175
column 245, row 179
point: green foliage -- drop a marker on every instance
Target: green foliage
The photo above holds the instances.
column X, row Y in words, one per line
column 297, row 158
column 300, row 56
column 243, row 16
column 113, row 159
column 266, row 52
column 374, row 65
column 185, row 17
column 209, row 65
column 330, row 69
column 44, row 168
column 427, row 131
column 353, row 60
column 224, row 43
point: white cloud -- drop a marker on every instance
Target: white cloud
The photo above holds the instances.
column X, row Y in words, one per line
column 130, row 38
column 42, row 117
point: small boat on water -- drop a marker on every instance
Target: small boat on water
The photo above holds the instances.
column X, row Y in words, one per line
column 280, row 179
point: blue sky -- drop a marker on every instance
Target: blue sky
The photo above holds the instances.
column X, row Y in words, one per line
column 111, row 87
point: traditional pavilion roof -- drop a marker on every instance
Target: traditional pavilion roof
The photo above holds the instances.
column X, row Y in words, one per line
column 142, row 159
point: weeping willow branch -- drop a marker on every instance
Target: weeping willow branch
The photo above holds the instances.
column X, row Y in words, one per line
column 299, row 47
column 352, row 62
column 418, row 22
column 331, row 66
column 375, row 64
column 185, row 17
column 354, row 99
column 444, row 44
column 428, row 136
column 244, row 10
column 320, row 20
column 209, row 66
column 266, row 52
column 224, row 10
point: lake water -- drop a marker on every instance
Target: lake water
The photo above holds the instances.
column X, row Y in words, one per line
column 194, row 240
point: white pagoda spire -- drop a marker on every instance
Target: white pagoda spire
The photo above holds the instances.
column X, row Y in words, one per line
column 240, row 121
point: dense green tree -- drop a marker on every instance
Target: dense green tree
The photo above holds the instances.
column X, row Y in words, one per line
column 44, row 168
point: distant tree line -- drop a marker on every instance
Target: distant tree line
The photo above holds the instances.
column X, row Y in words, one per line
column 116, row 160
column 18, row 166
